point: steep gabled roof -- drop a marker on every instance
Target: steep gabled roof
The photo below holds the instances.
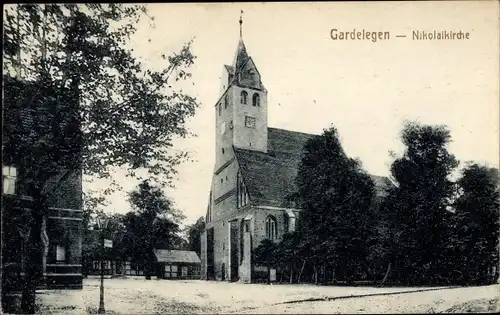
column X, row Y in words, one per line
column 176, row 256
column 270, row 177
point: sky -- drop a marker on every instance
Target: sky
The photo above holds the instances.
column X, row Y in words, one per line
column 365, row 89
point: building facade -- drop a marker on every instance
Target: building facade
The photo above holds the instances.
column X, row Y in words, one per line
column 169, row 264
column 62, row 223
column 254, row 174
column 177, row 264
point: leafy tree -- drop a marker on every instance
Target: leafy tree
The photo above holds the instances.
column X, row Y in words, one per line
column 336, row 195
column 385, row 238
column 419, row 204
column 194, row 232
column 265, row 255
column 477, row 224
column 154, row 224
column 83, row 101
column 287, row 252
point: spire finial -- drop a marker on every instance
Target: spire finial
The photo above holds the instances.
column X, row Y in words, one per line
column 241, row 24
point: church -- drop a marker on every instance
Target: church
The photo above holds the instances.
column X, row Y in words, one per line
column 253, row 177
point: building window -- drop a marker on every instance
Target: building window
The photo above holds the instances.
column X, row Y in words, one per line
column 241, row 191
column 223, row 151
column 9, row 180
column 249, row 122
column 220, row 109
column 60, row 254
column 244, row 97
column 256, row 100
column 271, row 228
column 226, row 101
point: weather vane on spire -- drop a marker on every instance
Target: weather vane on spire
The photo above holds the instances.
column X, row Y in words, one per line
column 241, row 24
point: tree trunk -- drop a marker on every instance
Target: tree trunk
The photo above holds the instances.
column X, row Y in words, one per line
column 268, row 274
column 323, row 281
column 315, row 274
column 301, row 270
column 34, row 252
column 386, row 275
column 291, row 275
column 333, row 275
column 148, row 269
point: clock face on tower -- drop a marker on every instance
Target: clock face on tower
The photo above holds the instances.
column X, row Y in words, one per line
column 249, row 122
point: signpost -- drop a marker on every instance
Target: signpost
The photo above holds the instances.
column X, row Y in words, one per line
column 103, row 223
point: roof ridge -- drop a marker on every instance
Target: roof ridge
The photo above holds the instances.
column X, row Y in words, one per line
column 293, row 131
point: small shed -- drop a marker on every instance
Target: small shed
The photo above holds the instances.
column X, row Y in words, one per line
column 177, row 264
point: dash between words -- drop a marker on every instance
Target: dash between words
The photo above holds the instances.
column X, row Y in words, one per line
column 375, row 36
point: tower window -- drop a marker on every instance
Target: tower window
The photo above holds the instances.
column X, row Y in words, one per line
column 256, row 100
column 226, row 101
column 271, row 228
column 244, row 96
column 223, row 151
column 220, row 109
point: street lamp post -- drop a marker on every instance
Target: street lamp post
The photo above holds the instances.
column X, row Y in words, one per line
column 102, row 222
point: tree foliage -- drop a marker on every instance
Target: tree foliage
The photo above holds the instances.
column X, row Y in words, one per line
column 475, row 236
column 194, row 232
column 153, row 225
column 424, row 229
column 84, row 101
column 336, row 196
column 419, row 202
column 265, row 255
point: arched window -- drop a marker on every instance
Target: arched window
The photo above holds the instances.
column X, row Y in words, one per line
column 241, row 191
column 256, row 100
column 271, row 228
column 244, row 96
column 226, row 101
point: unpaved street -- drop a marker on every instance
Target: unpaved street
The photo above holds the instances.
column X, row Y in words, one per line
column 138, row 296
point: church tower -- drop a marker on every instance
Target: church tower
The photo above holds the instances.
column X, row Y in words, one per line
column 241, row 112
